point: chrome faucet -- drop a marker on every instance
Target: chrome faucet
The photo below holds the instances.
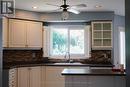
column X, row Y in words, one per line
column 67, row 59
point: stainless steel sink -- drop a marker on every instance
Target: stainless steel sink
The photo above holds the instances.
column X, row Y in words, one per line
column 75, row 63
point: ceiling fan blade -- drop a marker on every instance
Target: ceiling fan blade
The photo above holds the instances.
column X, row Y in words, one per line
column 52, row 5
column 73, row 11
column 79, row 6
column 59, row 9
column 55, row 10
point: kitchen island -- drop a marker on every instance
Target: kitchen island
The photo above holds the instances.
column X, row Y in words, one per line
column 93, row 78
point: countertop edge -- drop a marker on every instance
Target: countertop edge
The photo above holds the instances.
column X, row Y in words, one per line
column 94, row 74
column 53, row 64
column 91, row 72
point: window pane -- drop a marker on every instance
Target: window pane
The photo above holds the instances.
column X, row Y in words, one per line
column 59, row 41
column 77, row 41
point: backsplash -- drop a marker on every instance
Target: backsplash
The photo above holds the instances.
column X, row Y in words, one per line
column 100, row 57
column 97, row 57
column 31, row 56
column 22, row 55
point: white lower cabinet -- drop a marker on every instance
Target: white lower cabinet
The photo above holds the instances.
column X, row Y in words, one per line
column 23, row 77
column 35, row 77
column 30, row 77
column 54, row 77
column 40, row 76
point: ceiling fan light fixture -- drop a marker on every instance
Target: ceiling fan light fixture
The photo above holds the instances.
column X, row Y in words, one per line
column 65, row 14
column 34, row 7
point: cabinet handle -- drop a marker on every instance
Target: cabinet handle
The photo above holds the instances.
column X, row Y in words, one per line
column 29, row 68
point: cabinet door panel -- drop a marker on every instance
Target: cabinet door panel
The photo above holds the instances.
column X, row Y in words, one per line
column 54, row 77
column 97, row 26
column 106, row 26
column 35, row 77
column 101, row 35
column 34, row 34
column 17, row 33
column 23, row 77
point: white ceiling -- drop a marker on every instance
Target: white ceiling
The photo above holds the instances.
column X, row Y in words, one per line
column 118, row 6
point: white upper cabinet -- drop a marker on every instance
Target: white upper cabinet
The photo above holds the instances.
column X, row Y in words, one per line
column 34, row 34
column 25, row 33
column 17, row 33
column 5, row 32
column 102, row 35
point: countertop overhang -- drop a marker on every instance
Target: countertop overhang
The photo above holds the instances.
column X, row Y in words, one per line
column 92, row 72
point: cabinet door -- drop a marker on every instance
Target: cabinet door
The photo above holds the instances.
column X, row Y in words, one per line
column 23, row 77
column 17, row 33
column 101, row 35
column 43, row 77
column 35, row 77
column 34, row 34
column 54, row 77
column 5, row 31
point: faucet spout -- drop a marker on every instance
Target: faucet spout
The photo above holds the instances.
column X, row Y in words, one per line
column 67, row 59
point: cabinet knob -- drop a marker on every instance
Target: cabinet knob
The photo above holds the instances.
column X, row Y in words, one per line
column 29, row 68
column 26, row 45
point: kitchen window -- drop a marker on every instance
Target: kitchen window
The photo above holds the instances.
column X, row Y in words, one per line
column 73, row 39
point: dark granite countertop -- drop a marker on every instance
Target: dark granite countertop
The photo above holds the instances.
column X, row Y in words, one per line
column 92, row 72
column 23, row 64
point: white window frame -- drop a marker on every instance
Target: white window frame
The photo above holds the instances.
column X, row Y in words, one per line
column 86, row 42
column 122, row 55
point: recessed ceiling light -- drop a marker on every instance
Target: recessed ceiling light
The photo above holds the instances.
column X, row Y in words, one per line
column 34, row 7
column 98, row 6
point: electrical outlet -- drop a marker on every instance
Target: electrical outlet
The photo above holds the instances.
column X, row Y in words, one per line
column 33, row 55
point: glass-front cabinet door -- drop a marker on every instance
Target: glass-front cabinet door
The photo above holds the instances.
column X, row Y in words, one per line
column 101, row 35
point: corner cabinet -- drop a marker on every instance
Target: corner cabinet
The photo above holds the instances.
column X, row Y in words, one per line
column 101, row 35
column 25, row 33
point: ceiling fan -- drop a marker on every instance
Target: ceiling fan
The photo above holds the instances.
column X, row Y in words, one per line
column 67, row 8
